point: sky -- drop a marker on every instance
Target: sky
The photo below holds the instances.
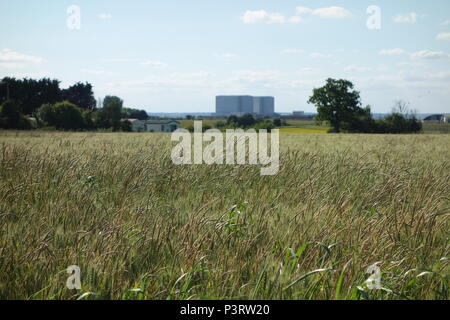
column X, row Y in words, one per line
column 176, row 56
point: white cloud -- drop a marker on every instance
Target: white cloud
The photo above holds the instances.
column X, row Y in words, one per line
column 179, row 80
column 28, row 74
column 105, row 16
column 293, row 51
column 320, row 55
column 120, row 60
column 308, row 71
column 12, row 65
column 429, row 55
column 443, row 36
column 303, row 10
column 295, row 19
column 255, row 76
column 392, row 52
column 406, row 18
column 333, row 12
column 228, row 55
column 414, row 76
column 262, row 16
column 141, row 62
column 199, row 74
column 153, row 64
column 355, row 68
column 96, row 72
column 411, row 64
column 8, row 55
column 446, row 23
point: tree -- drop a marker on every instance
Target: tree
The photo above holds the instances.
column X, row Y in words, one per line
column 402, row 120
column 277, row 122
column 246, row 121
column 62, row 116
column 126, row 126
column 232, row 121
column 110, row 115
column 336, row 103
column 80, row 94
column 361, row 122
column 128, row 113
column 264, row 125
column 10, row 117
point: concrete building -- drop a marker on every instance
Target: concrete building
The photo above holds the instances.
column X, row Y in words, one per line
column 239, row 105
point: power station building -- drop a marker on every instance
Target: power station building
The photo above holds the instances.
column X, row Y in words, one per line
column 239, row 105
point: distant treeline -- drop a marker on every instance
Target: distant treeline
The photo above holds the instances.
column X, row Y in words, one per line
column 27, row 104
column 246, row 121
column 340, row 106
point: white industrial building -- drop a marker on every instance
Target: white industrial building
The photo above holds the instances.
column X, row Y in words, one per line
column 153, row 125
column 239, row 105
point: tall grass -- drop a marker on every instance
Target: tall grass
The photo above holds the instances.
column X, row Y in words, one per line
column 140, row 227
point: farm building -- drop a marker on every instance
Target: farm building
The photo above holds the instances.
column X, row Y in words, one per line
column 154, row 125
column 438, row 118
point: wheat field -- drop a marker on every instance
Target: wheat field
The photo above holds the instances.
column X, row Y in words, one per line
column 140, row 227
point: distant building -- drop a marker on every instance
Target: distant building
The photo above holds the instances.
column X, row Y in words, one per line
column 438, row 118
column 136, row 125
column 300, row 115
column 153, row 125
column 239, row 105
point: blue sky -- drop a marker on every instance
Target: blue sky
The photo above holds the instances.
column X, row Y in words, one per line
column 176, row 56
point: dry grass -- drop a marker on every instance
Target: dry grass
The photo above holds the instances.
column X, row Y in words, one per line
column 339, row 202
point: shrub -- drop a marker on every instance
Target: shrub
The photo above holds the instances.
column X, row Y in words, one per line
column 277, row 122
column 10, row 117
column 62, row 115
column 126, row 126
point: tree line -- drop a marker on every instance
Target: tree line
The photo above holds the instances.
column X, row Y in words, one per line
column 340, row 105
column 27, row 104
column 246, row 121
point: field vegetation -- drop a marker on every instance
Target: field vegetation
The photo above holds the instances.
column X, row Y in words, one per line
column 140, row 227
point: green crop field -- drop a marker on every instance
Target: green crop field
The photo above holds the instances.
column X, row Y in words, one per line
column 305, row 129
column 140, row 227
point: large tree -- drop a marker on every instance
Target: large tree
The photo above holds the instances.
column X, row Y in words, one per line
column 337, row 103
column 111, row 114
column 81, row 95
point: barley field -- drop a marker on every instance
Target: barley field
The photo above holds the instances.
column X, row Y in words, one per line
column 140, row 227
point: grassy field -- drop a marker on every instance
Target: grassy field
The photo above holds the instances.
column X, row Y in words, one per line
column 310, row 126
column 305, row 129
column 436, row 128
column 140, row 227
